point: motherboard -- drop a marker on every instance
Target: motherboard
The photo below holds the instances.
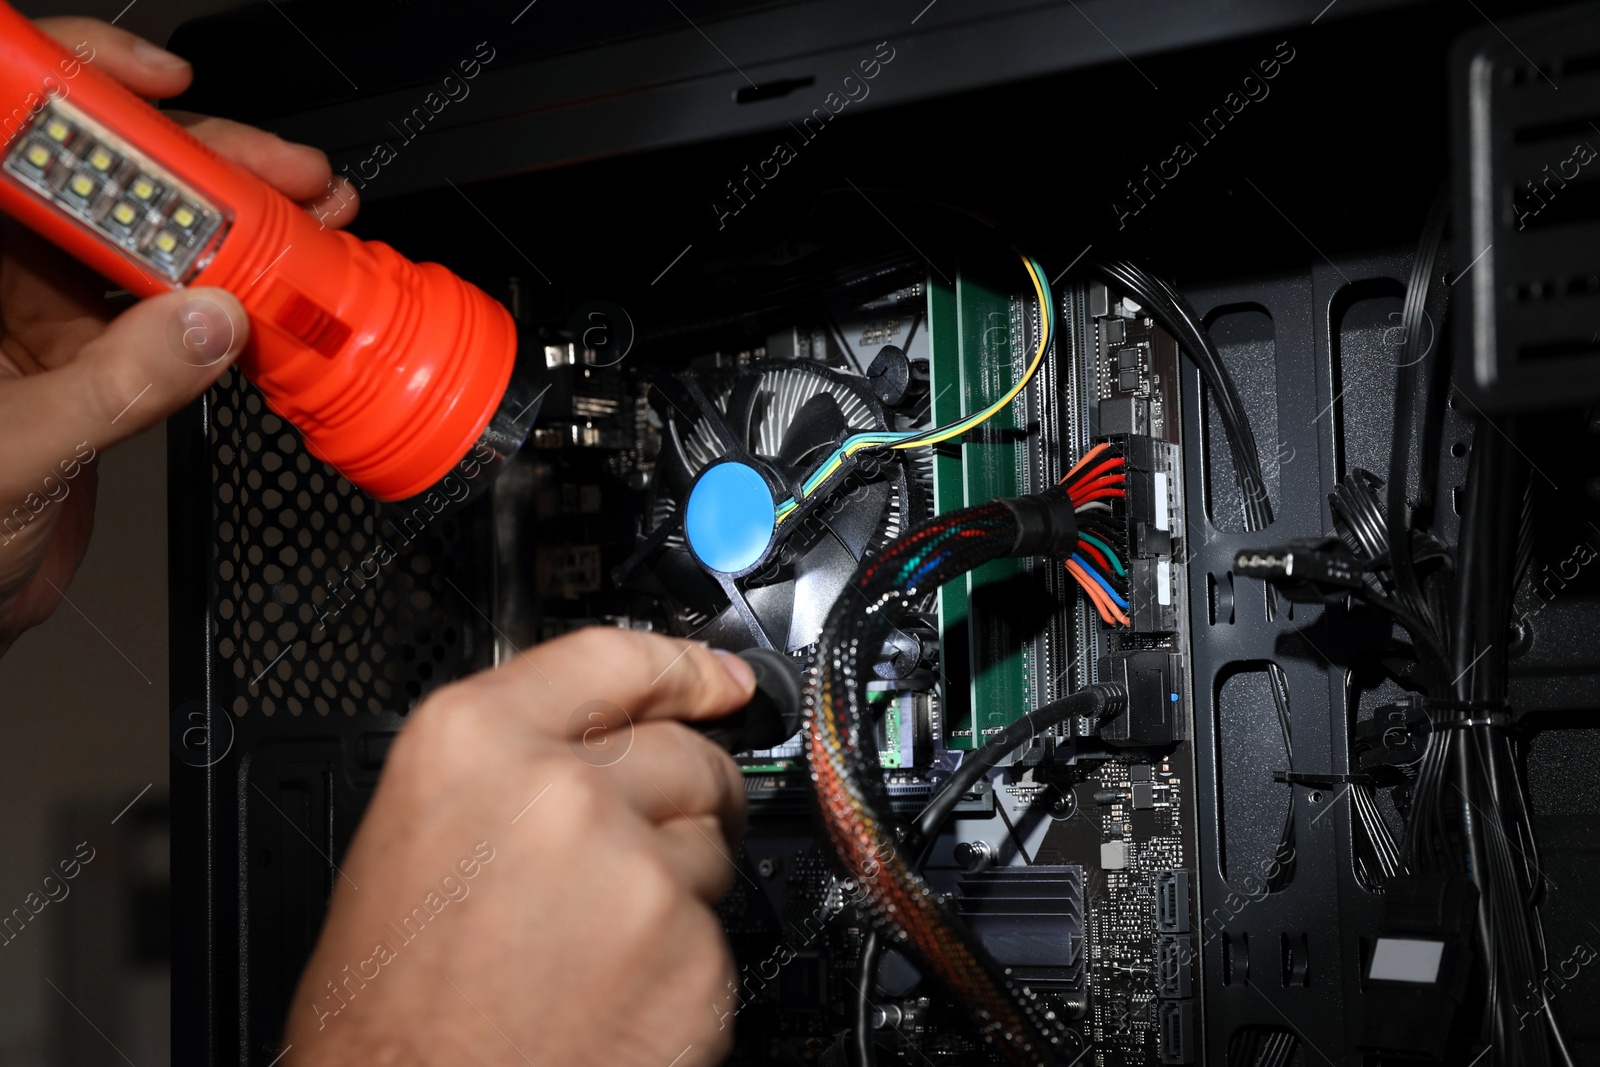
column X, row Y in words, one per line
column 1073, row 862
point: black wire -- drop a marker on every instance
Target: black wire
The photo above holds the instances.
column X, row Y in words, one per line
column 1286, row 836
column 1094, row 701
column 1408, row 590
column 862, row 1052
column 1091, row 702
column 1509, row 882
column 1169, row 308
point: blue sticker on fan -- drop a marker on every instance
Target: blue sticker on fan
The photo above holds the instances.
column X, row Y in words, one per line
column 730, row 517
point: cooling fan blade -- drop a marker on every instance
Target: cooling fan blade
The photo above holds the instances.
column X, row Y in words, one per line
column 818, row 427
column 770, row 425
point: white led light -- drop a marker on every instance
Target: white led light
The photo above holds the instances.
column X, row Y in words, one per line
column 108, row 186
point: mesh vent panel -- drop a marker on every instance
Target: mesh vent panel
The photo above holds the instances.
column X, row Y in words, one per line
column 323, row 600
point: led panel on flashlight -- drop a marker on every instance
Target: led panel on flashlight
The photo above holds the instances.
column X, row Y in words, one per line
column 125, row 198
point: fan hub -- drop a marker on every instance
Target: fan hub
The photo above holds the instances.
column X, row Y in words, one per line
column 730, row 518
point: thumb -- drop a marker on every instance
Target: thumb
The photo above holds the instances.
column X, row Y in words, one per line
column 149, row 362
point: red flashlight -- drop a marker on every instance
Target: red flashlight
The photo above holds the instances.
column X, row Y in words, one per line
column 396, row 373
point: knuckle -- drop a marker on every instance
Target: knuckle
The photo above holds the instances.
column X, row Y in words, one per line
column 446, row 731
column 592, row 645
column 656, row 888
column 579, row 802
column 113, row 381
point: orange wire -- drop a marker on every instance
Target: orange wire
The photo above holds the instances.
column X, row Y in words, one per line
column 1087, row 456
column 1096, row 595
column 1108, row 609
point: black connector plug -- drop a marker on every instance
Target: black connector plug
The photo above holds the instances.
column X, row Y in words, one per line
column 1152, row 716
column 773, row 714
column 1046, row 524
column 1310, row 570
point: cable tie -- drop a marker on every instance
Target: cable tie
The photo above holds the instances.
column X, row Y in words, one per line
column 1498, row 720
column 1441, row 704
column 1326, row 781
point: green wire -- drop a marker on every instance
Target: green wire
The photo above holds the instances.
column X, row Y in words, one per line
column 1102, row 546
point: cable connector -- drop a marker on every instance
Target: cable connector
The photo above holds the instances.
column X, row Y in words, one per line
column 1046, row 525
column 1309, row 570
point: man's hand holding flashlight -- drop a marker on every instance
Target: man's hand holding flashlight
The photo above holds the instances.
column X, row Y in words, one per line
column 75, row 377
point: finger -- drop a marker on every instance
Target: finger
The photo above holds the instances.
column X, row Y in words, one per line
column 666, row 771
column 698, row 854
column 298, row 171
column 623, row 675
column 338, row 204
column 147, row 363
column 144, row 68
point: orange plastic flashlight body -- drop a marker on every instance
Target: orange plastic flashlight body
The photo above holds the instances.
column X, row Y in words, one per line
column 391, row 369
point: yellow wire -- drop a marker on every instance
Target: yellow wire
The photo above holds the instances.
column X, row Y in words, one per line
column 999, row 405
column 961, row 427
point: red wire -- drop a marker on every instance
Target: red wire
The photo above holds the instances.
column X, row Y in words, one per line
column 1114, row 461
column 1087, row 456
column 1078, row 491
column 1084, row 546
column 1100, row 495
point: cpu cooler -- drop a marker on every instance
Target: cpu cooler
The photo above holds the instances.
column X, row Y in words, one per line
column 733, row 442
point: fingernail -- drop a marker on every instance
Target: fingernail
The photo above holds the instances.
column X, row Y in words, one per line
column 159, row 58
column 740, row 671
column 202, row 333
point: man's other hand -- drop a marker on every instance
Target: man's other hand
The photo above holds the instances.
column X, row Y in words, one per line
column 534, row 880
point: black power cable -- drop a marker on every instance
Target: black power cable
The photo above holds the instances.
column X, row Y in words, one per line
column 1468, row 812
column 1469, row 809
column 1175, row 315
column 1428, row 629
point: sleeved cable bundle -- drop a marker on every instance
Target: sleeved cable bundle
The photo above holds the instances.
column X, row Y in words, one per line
column 1094, row 485
column 838, row 742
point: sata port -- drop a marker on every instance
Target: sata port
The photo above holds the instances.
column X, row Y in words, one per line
column 1172, row 902
column 1177, row 1031
column 1173, row 958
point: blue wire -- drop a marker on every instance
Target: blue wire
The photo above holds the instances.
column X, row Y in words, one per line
column 925, row 569
column 1089, row 569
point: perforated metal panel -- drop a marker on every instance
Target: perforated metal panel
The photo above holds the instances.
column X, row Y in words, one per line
column 324, row 600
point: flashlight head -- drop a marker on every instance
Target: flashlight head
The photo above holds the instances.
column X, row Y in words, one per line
column 501, row 437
